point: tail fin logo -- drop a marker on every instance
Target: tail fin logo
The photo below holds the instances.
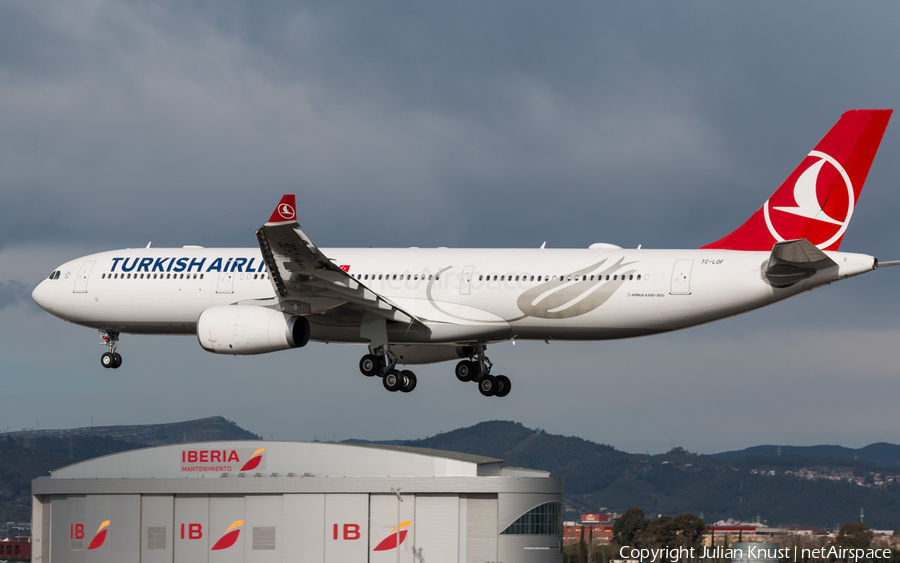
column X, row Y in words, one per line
column 830, row 218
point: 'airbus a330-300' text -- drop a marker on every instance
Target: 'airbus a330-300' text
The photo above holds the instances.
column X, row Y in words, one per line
column 419, row 306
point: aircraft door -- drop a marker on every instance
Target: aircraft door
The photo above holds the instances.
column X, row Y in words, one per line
column 465, row 283
column 225, row 283
column 681, row 277
column 82, row 278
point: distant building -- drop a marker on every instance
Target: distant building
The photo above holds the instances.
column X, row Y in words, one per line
column 596, row 534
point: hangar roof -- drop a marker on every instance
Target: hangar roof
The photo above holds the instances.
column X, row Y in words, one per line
column 270, row 458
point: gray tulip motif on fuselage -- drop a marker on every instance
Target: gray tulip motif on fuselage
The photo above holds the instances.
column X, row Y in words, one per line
column 571, row 295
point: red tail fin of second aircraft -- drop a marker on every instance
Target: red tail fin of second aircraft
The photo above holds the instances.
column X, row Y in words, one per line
column 817, row 199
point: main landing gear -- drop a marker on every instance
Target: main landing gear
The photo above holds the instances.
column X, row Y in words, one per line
column 478, row 369
column 383, row 364
column 111, row 359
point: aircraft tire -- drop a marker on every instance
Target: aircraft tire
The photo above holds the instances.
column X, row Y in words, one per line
column 107, row 360
column 503, row 386
column 409, row 381
column 392, row 380
column 488, row 386
column 118, row 358
column 370, row 365
column 465, row 370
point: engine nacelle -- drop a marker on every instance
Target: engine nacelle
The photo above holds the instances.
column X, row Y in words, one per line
column 429, row 354
column 247, row 329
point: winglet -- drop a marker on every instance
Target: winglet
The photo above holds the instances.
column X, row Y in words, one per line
column 285, row 211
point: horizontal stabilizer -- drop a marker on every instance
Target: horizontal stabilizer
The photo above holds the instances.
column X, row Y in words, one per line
column 792, row 261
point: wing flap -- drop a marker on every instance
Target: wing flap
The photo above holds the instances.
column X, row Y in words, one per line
column 300, row 272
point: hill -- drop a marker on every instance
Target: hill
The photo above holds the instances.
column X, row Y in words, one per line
column 880, row 453
column 782, row 489
column 200, row 430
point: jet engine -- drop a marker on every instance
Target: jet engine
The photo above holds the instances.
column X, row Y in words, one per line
column 247, row 329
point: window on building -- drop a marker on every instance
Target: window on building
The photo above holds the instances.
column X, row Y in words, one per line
column 545, row 519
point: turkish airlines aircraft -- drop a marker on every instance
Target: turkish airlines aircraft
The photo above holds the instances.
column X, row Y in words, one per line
column 419, row 306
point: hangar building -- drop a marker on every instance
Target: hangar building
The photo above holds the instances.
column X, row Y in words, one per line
column 295, row 501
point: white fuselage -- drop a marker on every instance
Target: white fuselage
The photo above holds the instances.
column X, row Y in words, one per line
column 462, row 295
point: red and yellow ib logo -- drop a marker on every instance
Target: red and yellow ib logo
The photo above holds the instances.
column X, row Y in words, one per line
column 254, row 460
column 390, row 542
column 100, row 537
column 230, row 537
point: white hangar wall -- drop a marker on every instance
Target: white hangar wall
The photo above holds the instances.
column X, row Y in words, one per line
column 292, row 501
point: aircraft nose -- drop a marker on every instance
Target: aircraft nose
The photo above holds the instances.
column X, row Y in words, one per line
column 41, row 296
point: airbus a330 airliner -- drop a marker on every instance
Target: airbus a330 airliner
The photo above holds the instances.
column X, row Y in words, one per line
column 419, row 306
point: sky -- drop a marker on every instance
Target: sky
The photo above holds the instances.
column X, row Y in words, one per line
column 465, row 124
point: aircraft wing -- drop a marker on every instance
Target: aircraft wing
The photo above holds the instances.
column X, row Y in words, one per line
column 306, row 281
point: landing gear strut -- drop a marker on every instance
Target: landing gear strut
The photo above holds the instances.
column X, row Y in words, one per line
column 111, row 359
column 478, row 368
column 382, row 362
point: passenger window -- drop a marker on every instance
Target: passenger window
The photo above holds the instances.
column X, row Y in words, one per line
column 539, row 278
column 639, row 277
column 517, row 278
column 430, row 276
column 631, row 276
column 532, row 278
column 607, row 277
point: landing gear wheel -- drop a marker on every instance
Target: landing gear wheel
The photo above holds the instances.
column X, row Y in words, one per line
column 488, row 386
column 108, row 360
column 409, row 381
column 465, row 370
column 118, row 361
column 370, row 365
column 503, row 386
column 392, row 380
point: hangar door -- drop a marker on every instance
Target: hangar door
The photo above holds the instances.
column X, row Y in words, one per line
column 437, row 528
column 95, row 528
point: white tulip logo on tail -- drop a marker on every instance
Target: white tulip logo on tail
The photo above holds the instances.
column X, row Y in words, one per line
column 807, row 205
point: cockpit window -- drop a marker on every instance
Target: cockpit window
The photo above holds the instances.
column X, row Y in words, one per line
column 54, row 275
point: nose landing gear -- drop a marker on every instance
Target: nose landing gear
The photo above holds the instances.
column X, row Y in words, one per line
column 111, row 359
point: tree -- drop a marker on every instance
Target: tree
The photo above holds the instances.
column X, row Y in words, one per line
column 691, row 528
column 629, row 526
column 662, row 532
column 854, row 535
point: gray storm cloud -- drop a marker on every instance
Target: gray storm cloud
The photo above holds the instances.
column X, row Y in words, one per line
column 464, row 124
